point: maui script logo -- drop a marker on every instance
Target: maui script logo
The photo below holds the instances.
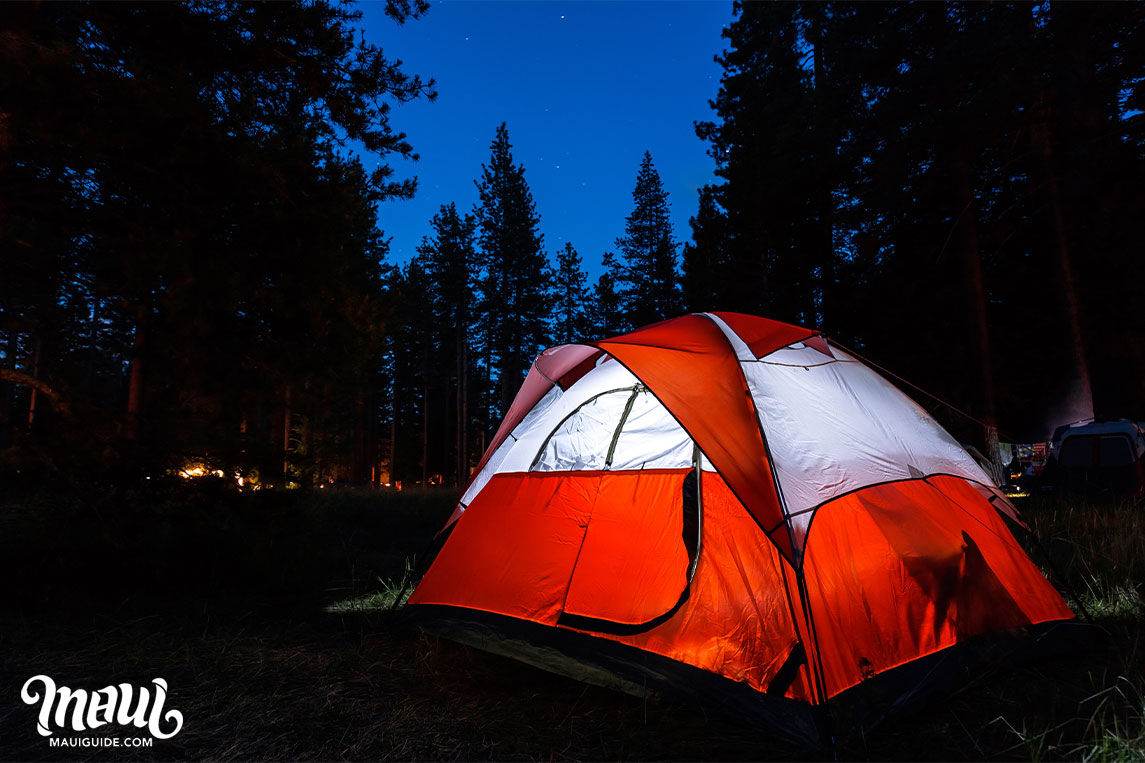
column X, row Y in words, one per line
column 111, row 704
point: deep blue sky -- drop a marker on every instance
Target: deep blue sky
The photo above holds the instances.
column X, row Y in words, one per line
column 584, row 87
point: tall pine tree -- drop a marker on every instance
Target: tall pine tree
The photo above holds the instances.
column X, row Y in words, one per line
column 876, row 172
column 607, row 315
column 704, row 256
column 196, row 252
column 450, row 261
column 570, row 292
column 649, row 288
column 515, row 297
column 763, row 163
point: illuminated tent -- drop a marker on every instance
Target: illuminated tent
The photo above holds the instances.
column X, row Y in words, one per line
column 736, row 509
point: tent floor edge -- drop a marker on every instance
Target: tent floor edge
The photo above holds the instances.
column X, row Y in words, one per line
column 616, row 666
column 619, row 667
column 936, row 675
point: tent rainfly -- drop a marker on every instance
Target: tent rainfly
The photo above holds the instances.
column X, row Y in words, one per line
column 737, row 510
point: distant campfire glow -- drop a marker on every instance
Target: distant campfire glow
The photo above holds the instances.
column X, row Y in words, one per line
column 195, row 469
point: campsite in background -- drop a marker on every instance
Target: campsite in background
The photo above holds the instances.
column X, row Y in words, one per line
column 238, row 432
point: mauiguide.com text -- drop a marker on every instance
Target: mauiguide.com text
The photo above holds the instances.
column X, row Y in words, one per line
column 101, row 742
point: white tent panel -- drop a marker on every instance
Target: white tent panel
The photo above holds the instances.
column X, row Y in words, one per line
column 581, row 442
column 798, row 354
column 607, row 377
column 834, row 427
column 651, row 438
column 742, row 351
column 532, row 420
column 516, row 454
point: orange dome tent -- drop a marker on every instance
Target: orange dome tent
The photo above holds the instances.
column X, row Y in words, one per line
column 737, row 509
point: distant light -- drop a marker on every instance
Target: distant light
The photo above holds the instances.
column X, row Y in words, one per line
column 192, row 471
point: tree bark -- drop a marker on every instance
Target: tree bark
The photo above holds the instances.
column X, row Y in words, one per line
column 1080, row 405
column 463, row 411
column 972, row 265
column 359, row 474
column 824, row 209
column 445, row 439
column 135, row 379
column 424, row 432
column 286, row 414
column 92, row 346
column 38, row 344
column 394, row 429
column 9, row 388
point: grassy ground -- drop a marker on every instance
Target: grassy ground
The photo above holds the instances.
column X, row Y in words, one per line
column 240, row 603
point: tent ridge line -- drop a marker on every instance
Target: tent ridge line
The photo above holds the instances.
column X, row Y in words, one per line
column 796, row 558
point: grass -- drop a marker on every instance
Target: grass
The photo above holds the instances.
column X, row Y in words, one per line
column 269, row 616
column 1097, row 549
column 392, row 594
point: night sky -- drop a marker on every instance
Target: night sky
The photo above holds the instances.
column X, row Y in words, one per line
column 585, row 88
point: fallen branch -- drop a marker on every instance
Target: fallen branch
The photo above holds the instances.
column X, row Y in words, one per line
column 57, row 402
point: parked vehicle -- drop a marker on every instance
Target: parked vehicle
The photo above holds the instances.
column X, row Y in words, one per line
column 1102, row 457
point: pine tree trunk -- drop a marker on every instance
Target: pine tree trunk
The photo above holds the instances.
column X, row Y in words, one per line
column 135, row 378
column 9, row 389
column 463, row 414
column 308, row 422
column 487, row 391
column 446, row 420
column 37, row 343
column 370, row 465
column 92, row 347
column 824, row 209
column 286, row 414
column 394, row 429
column 972, row 266
column 458, row 391
column 359, row 475
column 424, row 433
column 1079, row 406
column 1088, row 145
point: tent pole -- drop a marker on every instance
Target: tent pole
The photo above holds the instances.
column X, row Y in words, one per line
column 817, row 665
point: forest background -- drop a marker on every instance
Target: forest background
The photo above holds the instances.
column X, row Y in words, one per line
column 194, row 275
